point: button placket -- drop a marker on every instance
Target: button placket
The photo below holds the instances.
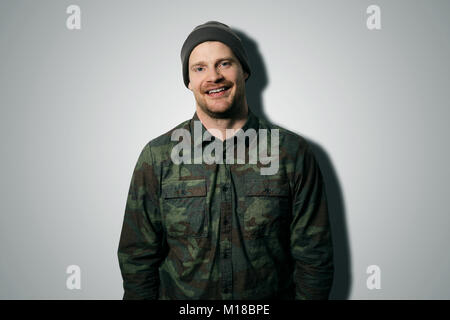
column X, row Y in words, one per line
column 225, row 234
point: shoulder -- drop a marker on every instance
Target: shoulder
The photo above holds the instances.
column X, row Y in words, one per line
column 291, row 142
column 159, row 148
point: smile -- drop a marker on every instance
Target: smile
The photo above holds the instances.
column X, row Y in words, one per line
column 217, row 92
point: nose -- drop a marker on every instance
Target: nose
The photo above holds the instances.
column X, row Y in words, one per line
column 214, row 75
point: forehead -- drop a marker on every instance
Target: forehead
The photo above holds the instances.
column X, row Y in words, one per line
column 210, row 51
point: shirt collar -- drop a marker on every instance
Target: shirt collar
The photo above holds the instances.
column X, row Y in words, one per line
column 251, row 123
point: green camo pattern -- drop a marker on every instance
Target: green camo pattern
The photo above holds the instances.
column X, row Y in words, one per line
column 224, row 231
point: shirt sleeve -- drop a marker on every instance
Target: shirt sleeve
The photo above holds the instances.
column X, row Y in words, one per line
column 311, row 243
column 140, row 249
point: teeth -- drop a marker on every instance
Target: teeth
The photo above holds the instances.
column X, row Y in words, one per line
column 216, row 90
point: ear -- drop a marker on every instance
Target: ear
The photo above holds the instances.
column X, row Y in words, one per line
column 245, row 75
column 190, row 86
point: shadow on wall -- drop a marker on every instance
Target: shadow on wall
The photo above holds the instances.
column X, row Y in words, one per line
column 254, row 88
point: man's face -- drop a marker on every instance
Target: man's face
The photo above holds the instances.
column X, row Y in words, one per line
column 212, row 65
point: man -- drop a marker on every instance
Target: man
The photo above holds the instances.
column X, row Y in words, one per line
column 222, row 229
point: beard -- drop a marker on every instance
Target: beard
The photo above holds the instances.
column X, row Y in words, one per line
column 229, row 113
column 235, row 109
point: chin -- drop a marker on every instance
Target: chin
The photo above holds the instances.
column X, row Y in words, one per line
column 221, row 109
column 220, row 112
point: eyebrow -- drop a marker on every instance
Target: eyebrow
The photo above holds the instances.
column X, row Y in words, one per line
column 203, row 63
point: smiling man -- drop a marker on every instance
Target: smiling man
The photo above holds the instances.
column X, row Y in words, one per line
column 223, row 230
column 218, row 82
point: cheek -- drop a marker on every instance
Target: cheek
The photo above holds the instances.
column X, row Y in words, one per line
column 194, row 83
column 197, row 85
column 195, row 88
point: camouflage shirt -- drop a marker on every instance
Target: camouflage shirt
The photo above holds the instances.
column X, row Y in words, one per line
column 224, row 231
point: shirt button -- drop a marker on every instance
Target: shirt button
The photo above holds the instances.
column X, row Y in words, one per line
column 224, row 188
column 225, row 222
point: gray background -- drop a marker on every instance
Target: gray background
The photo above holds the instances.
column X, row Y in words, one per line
column 77, row 107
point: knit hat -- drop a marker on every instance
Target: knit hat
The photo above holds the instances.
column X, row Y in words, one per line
column 213, row 31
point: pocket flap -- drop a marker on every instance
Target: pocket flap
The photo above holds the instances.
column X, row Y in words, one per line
column 266, row 187
column 184, row 189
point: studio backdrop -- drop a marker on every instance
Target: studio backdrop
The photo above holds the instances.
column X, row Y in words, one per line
column 84, row 85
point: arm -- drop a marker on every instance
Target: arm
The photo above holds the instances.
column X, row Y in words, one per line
column 311, row 243
column 140, row 248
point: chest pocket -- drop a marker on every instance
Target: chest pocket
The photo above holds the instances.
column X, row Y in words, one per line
column 266, row 206
column 184, row 208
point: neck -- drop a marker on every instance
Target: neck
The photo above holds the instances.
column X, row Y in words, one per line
column 236, row 122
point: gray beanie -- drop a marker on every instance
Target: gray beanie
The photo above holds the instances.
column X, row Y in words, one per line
column 213, row 31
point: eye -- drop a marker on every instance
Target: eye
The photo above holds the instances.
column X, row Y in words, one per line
column 225, row 63
column 198, row 69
